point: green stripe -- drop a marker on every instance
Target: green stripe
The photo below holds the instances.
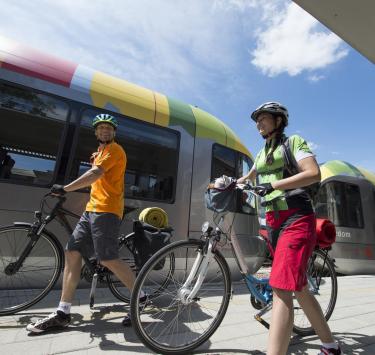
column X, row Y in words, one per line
column 354, row 169
column 338, row 167
column 181, row 114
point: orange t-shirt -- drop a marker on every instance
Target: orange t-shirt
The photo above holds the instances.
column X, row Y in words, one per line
column 107, row 193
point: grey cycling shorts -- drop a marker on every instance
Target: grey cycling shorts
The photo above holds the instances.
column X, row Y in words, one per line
column 96, row 235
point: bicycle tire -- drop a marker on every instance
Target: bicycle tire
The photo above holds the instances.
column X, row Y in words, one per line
column 117, row 287
column 325, row 279
column 38, row 273
column 167, row 314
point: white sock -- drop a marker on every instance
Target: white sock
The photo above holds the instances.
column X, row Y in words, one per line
column 331, row 345
column 141, row 294
column 64, row 307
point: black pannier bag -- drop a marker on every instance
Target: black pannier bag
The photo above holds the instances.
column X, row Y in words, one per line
column 224, row 198
column 147, row 241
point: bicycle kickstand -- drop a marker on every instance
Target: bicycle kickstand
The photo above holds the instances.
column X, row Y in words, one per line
column 263, row 311
column 92, row 291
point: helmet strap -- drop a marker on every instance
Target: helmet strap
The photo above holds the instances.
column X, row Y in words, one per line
column 276, row 129
column 106, row 142
column 268, row 135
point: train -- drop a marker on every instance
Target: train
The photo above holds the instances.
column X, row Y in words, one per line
column 173, row 150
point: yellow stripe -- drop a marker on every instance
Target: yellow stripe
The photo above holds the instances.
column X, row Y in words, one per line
column 162, row 110
column 234, row 142
column 368, row 175
column 325, row 172
column 130, row 100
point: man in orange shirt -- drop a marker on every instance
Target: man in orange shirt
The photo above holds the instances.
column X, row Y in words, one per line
column 97, row 231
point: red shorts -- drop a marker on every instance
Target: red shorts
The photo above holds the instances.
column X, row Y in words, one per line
column 294, row 247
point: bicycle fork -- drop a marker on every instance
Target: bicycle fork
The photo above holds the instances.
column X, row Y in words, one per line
column 186, row 294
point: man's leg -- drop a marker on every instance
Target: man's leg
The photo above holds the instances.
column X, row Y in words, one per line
column 72, row 275
column 281, row 322
column 122, row 270
column 73, row 262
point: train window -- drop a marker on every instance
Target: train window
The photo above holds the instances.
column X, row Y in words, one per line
column 321, row 204
column 152, row 156
column 32, row 125
column 340, row 202
column 226, row 161
column 248, row 203
column 223, row 162
column 245, row 165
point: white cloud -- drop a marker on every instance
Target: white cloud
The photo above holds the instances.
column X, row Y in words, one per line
column 172, row 47
column 313, row 146
column 241, row 5
column 293, row 42
column 315, row 78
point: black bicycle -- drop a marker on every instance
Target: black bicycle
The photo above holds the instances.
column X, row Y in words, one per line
column 32, row 258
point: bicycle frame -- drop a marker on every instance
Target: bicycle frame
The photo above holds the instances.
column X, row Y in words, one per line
column 259, row 288
column 60, row 214
column 199, row 269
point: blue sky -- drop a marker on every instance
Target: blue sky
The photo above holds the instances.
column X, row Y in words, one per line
column 224, row 56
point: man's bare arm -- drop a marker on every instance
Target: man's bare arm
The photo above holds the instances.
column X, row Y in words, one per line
column 86, row 179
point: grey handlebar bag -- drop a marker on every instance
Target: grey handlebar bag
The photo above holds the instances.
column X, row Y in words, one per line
column 223, row 198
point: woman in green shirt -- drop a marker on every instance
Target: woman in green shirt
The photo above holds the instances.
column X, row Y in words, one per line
column 291, row 224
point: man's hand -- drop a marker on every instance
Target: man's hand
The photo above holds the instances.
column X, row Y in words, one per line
column 263, row 189
column 58, row 190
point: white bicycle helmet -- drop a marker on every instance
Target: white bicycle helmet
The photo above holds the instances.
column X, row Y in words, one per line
column 275, row 108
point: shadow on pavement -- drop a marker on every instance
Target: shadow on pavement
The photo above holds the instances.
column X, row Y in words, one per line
column 228, row 351
column 351, row 343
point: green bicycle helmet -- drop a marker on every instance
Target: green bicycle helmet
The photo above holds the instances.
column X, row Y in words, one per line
column 104, row 118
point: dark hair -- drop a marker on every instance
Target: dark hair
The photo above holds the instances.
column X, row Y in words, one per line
column 276, row 141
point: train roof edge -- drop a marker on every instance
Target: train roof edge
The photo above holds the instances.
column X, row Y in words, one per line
column 108, row 92
column 339, row 167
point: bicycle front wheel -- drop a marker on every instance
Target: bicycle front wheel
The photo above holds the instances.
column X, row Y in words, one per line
column 120, row 291
column 322, row 283
column 23, row 287
column 170, row 324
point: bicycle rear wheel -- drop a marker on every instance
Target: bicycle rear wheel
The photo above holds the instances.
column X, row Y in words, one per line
column 20, row 289
column 120, row 291
column 169, row 325
column 323, row 285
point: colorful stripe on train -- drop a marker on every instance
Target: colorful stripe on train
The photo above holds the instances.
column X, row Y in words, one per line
column 118, row 95
column 338, row 167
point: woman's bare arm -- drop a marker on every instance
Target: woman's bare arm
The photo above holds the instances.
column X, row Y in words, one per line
column 309, row 174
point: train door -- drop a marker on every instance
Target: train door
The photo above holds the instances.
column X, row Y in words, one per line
column 212, row 160
column 349, row 203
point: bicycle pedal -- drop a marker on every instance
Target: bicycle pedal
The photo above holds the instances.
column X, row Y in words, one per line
column 262, row 321
column 264, row 310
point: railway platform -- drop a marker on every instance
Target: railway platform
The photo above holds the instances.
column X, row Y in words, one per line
column 100, row 331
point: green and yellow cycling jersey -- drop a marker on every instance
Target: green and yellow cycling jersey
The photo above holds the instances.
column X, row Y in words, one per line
column 277, row 171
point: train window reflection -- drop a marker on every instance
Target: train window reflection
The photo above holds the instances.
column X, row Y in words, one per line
column 152, row 156
column 32, row 125
column 340, row 202
column 226, row 161
column 223, row 162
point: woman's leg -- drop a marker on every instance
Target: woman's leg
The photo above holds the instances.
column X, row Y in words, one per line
column 281, row 322
column 314, row 314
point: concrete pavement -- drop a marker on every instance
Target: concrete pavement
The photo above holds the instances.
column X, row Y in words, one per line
column 353, row 324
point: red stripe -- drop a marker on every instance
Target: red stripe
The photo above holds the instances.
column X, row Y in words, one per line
column 28, row 61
